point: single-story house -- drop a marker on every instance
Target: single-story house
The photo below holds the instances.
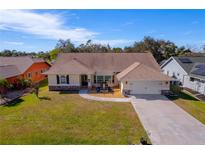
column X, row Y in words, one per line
column 23, row 67
column 189, row 72
column 137, row 73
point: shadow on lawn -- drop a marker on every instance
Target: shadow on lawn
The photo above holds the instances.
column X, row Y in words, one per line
column 184, row 96
column 45, row 98
column 13, row 103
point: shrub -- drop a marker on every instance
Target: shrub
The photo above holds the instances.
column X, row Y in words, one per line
column 22, row 83
column 175, row 89
column 3, row 86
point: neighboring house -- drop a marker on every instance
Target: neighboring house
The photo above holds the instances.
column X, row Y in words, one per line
column 188, row 71
column 12, row 68
column 137, row 73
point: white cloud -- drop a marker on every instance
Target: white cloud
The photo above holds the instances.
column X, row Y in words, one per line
column 46, row 25
column 114, row 42
column 13, row 43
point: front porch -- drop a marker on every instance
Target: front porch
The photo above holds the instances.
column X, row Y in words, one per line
column 116, row 93
column 81, row 81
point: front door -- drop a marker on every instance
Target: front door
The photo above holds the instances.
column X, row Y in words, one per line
column 84, row 80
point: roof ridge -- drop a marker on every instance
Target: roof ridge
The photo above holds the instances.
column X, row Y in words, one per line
column 126, row 70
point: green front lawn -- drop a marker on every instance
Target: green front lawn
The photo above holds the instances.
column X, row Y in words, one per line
column 65, row 118
column 191, row 105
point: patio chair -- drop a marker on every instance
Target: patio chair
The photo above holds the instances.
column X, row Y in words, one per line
column 98, row 89
column 110, row 89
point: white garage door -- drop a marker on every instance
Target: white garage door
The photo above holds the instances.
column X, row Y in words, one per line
column 145, row 87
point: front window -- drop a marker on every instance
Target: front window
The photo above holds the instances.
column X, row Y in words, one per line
column 103, row 79
column 107, row 78
column 100, row 79
column 63, row 79
column 29, row 75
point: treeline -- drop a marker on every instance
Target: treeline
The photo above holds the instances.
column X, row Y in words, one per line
column 15, row 53
column 161, row 49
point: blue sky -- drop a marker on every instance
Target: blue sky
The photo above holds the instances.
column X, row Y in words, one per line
column 39, row 30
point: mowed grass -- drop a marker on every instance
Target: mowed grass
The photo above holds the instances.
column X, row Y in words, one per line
column 66, row 118
column 191, row 105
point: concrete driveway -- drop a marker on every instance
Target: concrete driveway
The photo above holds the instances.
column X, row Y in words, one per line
column 166, row 123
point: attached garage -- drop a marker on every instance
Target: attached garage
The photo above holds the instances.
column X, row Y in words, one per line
column 140, row 79
column 145, row 87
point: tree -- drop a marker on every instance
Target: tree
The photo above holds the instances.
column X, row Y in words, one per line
column 168, row 49
column 183, row 51
column 117, row 50
column 90, row 47
column 54, row 53
column 36, row 90
column 148, row 44
column 65, row 46
column 160, row 49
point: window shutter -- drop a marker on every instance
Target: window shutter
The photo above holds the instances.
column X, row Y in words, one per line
column 67, row 79
column 57, row 77
column 94, row 78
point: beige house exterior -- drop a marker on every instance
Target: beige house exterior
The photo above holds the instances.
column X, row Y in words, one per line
column 134, row 72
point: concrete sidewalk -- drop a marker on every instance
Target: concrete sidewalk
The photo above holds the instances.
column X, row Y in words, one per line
column 166, row 123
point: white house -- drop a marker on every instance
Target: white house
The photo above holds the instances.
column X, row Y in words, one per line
column 188, row 71
column 137, row 73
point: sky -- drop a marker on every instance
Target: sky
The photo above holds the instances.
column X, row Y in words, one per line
column 39, row 30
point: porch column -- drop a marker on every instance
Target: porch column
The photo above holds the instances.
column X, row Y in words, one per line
column 89, row 81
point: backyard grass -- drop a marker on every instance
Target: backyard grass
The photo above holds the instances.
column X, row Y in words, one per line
column 66, row 118
column 191, row 105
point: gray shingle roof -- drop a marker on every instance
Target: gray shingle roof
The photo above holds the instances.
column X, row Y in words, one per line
column 12, row 66
column 194, row 68
column 188, row 66
column 8, row 71
column 103, row 62
column 22, row 63
column 138, row 71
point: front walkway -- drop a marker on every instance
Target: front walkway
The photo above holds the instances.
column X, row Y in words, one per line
column 84, row 94
column 166, row 123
